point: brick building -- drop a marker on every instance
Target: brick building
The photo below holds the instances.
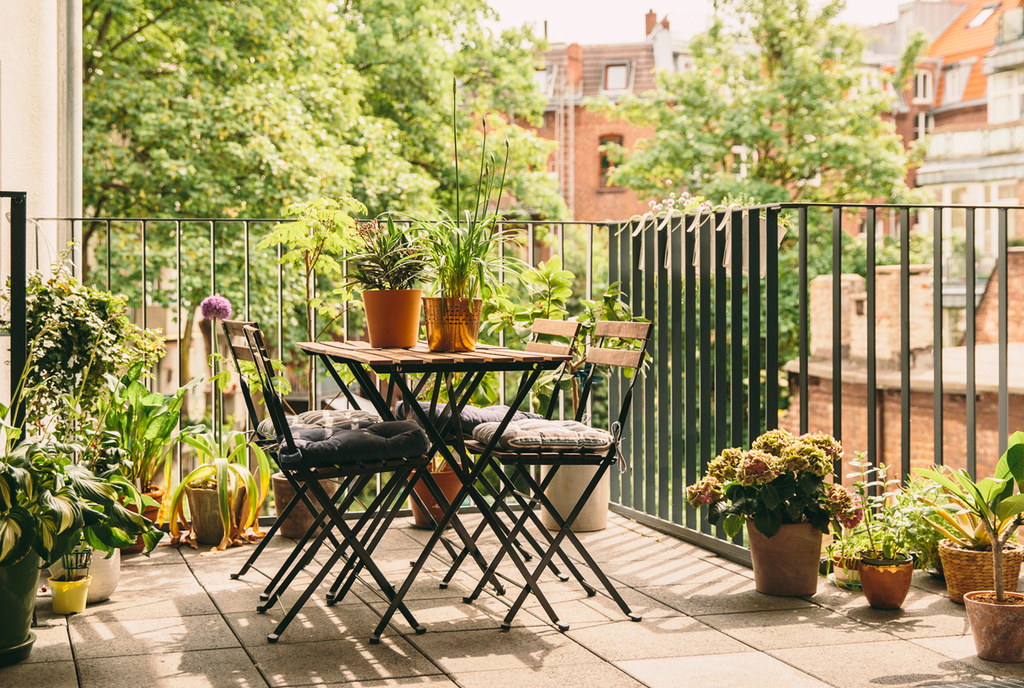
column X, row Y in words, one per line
column 573, row 73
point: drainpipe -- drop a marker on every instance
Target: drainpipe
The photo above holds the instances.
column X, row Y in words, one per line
column 69, row 125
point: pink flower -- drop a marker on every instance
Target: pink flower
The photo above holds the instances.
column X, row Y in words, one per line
column 704, row 492
column 215, row 308
column 756, row 468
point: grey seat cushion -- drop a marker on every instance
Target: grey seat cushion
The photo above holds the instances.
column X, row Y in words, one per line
column 336, row 446
column 473, row 416
column 351, row 419
column 537, row 435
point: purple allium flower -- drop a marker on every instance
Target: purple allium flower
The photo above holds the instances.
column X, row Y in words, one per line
column 215, row 307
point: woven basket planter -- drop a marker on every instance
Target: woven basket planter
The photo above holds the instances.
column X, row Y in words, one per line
column 969, row 569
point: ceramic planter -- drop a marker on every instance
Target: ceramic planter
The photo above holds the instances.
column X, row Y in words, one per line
column 393, row 317
column 786, row 565
column 565, row 490
column 204, row 512
column 452, row 324
column 18, row 585
column 846, row 571
column 450, row 485
column 886, row 582
column 106, row 573
column 998, row 629
column 300, row 518
column 69, row 596
column 150, row 512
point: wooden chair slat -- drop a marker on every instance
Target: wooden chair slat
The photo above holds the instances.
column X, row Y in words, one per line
column 545, row 348
column 559, row 328
column 614, row 357
column 622, row 330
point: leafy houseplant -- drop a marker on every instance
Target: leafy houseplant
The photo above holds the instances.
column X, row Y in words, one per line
column 778, row 489
column 996, row 616
column 387, row 264
column 232, row 499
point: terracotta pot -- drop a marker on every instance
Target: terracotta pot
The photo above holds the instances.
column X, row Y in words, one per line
column 204, row 512
column 393, row 317
column 565, row 490
column 450, row 485
column 452, row 324
column 300, row 519
column 998, row 629
column 150, row 512
column 786, row 565
column 886, row 582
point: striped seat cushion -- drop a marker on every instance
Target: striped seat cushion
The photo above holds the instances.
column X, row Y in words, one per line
column 541, row 434
column 351, row 419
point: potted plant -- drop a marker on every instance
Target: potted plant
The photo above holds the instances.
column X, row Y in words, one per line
column 777, row 489
column 71, row 586
column 223, row 495
column 996, row 616
column 923, row 537
column 966, row 550
column 387, row 264
column 848, row 541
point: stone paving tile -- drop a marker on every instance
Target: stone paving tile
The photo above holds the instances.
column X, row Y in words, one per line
column 893, row 662
column 466, row 651
column 39, row 675
column 793, row 628
column 161, row 555
column 438, row 680
column 96, row 637
column 961, row 648
column 442, row 616
column 733, row 596
column 157, row 577
column 199, row 669
column 580, row 676
column 312, row 623
column 923, row 615
column 338, row 661
column 680, row 571
column 51, row 645
column 719, row 671
column 676, row 636
column 152, row 604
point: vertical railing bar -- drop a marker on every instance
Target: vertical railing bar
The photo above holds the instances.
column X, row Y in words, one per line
column 754, row 324
column 19, row 294
column 638, row 415
column 721, row 338
column 181, row 352
column 1004, row 393
column 214, row 390
column 501, row 333
column 145, row 293
column 872, row 300
column 904, row 343
column 613, row 379
column 649, row 380
column 771, row 364
column 109, row 258
column 690, row 372
column 625, row 270
column 937, row 283
column 736, row 341
column 280, row 301
column 664, row 405
column 707, row 430
column 969, row 343
column 678, row 457
column 802, row 291
column 590, row 291
column 245, row 273
column 837, row 324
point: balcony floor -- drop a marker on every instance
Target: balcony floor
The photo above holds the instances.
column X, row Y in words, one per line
column 178, row 620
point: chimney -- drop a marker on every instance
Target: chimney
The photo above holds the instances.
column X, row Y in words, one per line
column 651, row 22
column 574, row 66
column 664, row 23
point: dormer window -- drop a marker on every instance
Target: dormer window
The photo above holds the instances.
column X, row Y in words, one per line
column 923, row 87
column 982, row 16
column 1005, row 97
column 955, row 80
column 617, row 77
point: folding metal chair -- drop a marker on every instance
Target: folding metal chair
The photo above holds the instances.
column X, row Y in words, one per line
column 336, row 453
column 554, row 458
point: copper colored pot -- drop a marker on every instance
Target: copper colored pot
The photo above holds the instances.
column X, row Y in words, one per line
column 452, row 324
column 886, row 582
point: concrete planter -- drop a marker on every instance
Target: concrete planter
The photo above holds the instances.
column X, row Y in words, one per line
column 300, row 519
column 998, row 629
column 565, row 490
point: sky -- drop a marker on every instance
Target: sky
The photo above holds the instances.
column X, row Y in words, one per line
column 622, row 21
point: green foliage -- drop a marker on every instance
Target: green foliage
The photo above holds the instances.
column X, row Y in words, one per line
column 922, row 536
column 80, row 335
column 989, row 503
column 224, row 467
column 797, row 104
column 886, row 525
column 387, row 258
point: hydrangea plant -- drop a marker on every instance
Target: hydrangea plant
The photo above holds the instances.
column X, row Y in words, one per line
column 781, row 479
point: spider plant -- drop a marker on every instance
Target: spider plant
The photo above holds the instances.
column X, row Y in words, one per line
column 224, row 467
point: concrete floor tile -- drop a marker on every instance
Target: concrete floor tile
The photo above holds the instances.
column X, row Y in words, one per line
column 923, row 615
column 719, row 671
column 441, row 616
column 163, row 554
column 312, row 623
column 465, row 651
column 679, row 571
column 961, row 648
column 96, row 637
column 579, row 676
column 676, row 636
column 156, row 603
column 793, row 628
column 39, row 675
column 200, row 669
column 736, row 595
column 438, row 681
column 894, row 662
column 52, row 645
column 165, row 576
column 339, row 661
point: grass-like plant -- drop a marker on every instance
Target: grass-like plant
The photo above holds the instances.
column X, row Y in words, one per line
column 388, row 257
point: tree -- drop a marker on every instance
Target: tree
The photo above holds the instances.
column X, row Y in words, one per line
column 776, row 108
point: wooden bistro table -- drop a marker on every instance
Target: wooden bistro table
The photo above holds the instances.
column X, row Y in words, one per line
column 438, row 370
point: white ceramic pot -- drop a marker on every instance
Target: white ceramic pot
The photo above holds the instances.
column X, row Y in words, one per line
column 565, row 490
column 105, row 573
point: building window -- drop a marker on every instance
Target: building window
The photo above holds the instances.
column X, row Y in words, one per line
column 923, row 87
column 616, row 77
column 922, row 125
column 982, row 15
column 1006, row 97
column 545, row 79
column 606, row 164
column 954, row 81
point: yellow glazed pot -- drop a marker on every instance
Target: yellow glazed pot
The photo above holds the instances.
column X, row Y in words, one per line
column 69, row 596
